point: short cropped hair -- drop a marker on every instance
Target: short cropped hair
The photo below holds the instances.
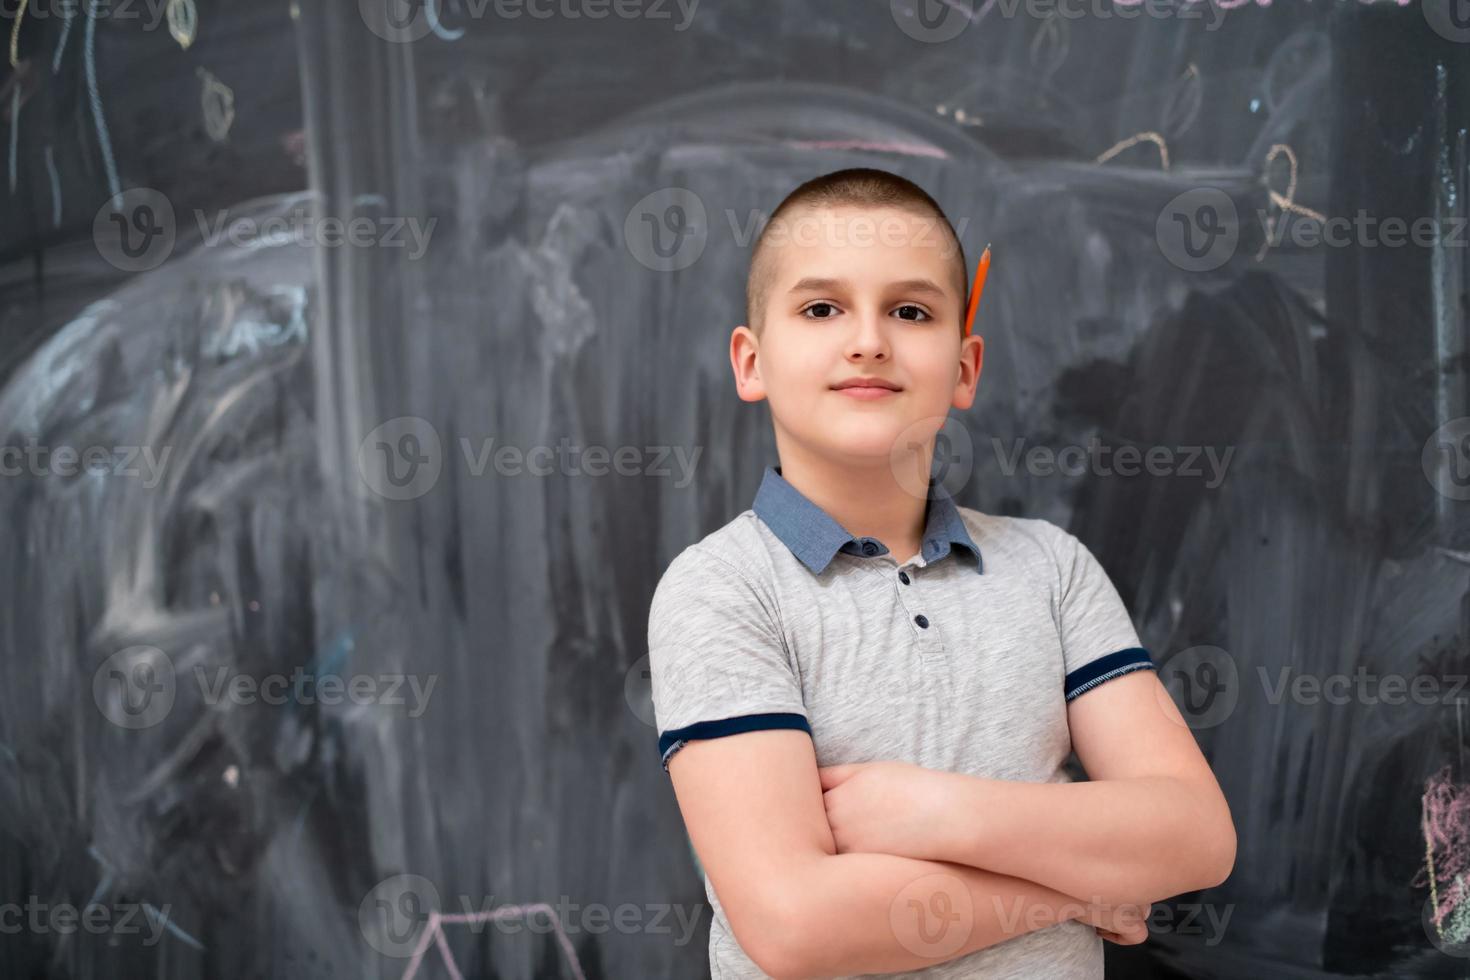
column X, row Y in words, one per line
column 865, row 187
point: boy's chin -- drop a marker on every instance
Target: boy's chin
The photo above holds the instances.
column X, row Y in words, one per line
column 870, row 441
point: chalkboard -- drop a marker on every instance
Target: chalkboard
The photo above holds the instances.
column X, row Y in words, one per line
column 329, row 658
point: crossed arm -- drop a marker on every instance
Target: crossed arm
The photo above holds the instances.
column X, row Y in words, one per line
column 816, row 868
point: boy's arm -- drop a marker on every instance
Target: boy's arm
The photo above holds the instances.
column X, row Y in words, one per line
column 1151, row 824
column 752, row 804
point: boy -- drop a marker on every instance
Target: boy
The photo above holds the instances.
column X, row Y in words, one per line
column 865, row 693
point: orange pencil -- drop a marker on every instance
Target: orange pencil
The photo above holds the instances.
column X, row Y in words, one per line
column 980, row 270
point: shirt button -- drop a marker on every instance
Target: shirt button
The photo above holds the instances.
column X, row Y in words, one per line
column 869, row 548
column 903, row 577
column 922, row 620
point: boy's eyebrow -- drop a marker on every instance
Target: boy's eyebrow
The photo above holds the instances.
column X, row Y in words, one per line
column 817, row 284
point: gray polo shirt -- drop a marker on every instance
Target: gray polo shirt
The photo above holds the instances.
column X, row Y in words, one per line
column 961, row 658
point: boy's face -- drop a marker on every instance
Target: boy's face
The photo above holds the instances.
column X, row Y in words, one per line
column 858, row 292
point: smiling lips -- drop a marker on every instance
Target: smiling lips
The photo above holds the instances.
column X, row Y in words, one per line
column 866, row 389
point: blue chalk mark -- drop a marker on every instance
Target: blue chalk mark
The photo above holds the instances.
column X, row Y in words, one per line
column 55, row 188
column 183, row 936
column 65, row 33
column 14, row 131
column 102, row 887
column 157, row 915
column 431, row 10
column 301, row 816
column 336, row 656
column 90, row 55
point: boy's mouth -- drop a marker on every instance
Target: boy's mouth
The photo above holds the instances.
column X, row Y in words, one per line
column 867, row 388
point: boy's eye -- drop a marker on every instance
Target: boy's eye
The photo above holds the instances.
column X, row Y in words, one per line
column 907, row 311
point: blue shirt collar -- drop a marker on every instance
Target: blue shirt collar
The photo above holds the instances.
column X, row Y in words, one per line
column 815, row 538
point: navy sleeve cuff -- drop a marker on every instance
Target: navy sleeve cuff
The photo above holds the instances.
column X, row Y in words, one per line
column 672, row 741
column 1104, row 669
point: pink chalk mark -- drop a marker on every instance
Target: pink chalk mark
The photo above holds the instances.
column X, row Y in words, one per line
column 434, row 933
column 906, row 149
column 1447, row 836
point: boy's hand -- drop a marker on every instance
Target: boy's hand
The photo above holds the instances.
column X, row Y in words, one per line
column 889, row 807
column 1126, row 925
column 902, row 809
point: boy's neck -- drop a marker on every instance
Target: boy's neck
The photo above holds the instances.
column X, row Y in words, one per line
column 867, row 500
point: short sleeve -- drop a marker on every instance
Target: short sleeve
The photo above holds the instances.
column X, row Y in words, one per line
column 717, row 663
column 1099, row 642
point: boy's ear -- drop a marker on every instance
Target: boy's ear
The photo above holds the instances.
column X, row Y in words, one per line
column 746, row 365
column 972, row 358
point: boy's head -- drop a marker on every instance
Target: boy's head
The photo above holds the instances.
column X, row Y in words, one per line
column 857, row 274
column 801, row 217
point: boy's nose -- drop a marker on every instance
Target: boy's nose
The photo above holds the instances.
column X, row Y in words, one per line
column 869, row 338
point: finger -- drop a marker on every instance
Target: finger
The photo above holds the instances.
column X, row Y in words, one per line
column 832, row 775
